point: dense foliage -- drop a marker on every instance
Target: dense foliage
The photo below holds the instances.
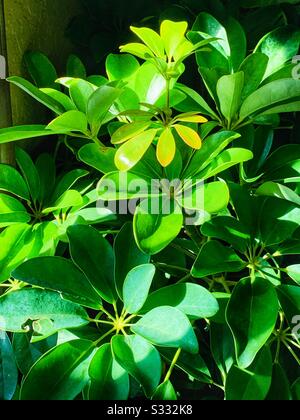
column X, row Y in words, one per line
column 160, row 259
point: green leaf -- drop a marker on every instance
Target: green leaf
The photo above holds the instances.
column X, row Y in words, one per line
column 226, row 160
column 294, row 272
column 98, row 157
column 273, row 97
column 23, row 132
column 194, row 101
column 29, row 172
column 167, row 327
column 94, row 256
column 252, row 383
column 215, row 258
column 127, row 256
column 222, row 347
column 109, row 381
column 283, row 164
column 140, row 359
column 296, row 390
column 136, row 287
column 151, row 39
column 229, row 90
column 227, row 229
column 280, row 387
column 99, row 104
column 46, row 168
column 121, row 66
column 280, row 45
column 70, row 121
column 154, row 232
column 193, row 300
column 12, row 211
column 12, row 182
column 251, row 315
column 172, row 35
column 131, row 152
column 254, row 68
column 289, row 297
column 60, row 97
column 67, row 181
column 61, row 374
column 65, row 201
column 60, row 275
column 203, row 197
column 75, row 67
column 8, row 369
column 27, row 353
column 191, row 364
column 46, row 312
column 80, row 92
column 272, row 189
column 165, row 392
column 211, row 148
column 129, row 131
column 40, row 68
column 137, row 49
column 37, row 94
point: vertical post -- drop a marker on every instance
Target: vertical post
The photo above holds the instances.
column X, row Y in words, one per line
column 7, row 154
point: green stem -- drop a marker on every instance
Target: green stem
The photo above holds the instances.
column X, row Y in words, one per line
column 171, row 267
column 107, row 314
column 174, row 361
column 291, row 351
column 184, row 279
column 184, row 251
column 104, row 336
column 100, row 321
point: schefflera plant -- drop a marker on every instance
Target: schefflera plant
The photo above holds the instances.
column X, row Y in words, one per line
column 136, row 331
column 166, row 51
column 183, row 190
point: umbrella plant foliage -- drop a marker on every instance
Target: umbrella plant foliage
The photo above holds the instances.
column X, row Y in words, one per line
column 155, row 253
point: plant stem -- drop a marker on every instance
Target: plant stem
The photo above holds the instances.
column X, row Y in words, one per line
column 171, row 267
column 107, row 314
column 291, row 351
column 184, row 251
column 100, row 321
column 174, row 361
column 104, row 336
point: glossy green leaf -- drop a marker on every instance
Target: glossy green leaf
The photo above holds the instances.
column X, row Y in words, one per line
column 165, row 392
column 280, row 387
column 131, row 152
column 40, row 68
column 270, row 97
column 12, row 211
column 253, row 383
column 37, row 94
column 294, row 272
column 109, row 381
column 229, row 91
column 70, row 121
column 289, row 297
column 140, row 359
column 94, row 256
column 121, row 66
column 193, row 300
column 11, row 181
column 98, row 157
column 65, row 201
column 100, row 103
column 281, row 45
column 80, row 92
column 172, row 34
column 46, row 168
column 227, row 229
column 61, row 374
column 153, row 232
column 67, row 181
column 128, row 131
column 254, row 68
column 8, row 369
column 29, row 172
column 60, row 97
column 296, row 390
column 251, row 314
column 61, row 275
column 75, row 67
column 222, row 347
column 272, row 189
column 167, row 327
column 46, row 312
column 215, row 258
column 127, row 255
column 136, row 287
column 203, row 197
column 23, row 132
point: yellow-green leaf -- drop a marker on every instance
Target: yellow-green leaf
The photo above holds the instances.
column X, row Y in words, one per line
column 189, row 136
column 193, row 119
column 173, row 34
column 128, row 131
column 151, row 39
column 130, row 153
column 166, row 148
column 137, row 49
